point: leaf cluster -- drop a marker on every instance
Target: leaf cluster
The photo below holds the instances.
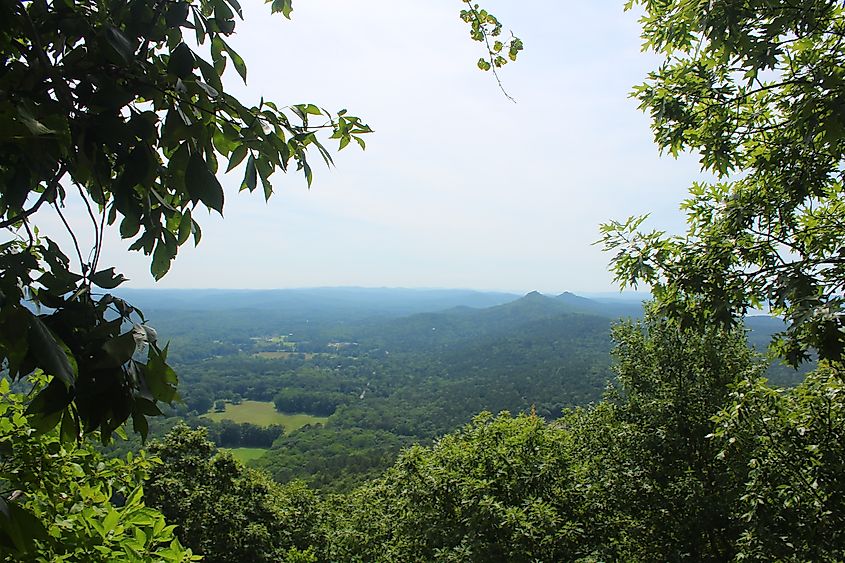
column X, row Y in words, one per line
column 756, row 90
column 121, row 107
column 63, row 502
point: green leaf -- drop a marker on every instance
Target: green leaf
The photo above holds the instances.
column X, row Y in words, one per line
column 30, row 122
column 119, row 350
column 111, row 520
column 161, row 261
column 20, row 526
column 250, row 175
column 160, row 377
column 51, row 354
column 46, row 409
column 119, row 42
column 239, row 63
column 184, row 228
column 311, row 109
column 181, row 62
column 237, row 157
column 107, row 279
column 176, row 14
column 140, row 425
column 130, row 226
column 202, row 184
column 283, row 6
column 69, row 430
column 196, row 231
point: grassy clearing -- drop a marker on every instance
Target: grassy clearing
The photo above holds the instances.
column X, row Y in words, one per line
column 245, row 454
column 285, row 355
column 264, row 414
column 274, row 355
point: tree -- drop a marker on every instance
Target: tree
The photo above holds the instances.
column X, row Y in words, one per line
column 655, row 488
column 110, row 103
column 756, row 88
column 66, row 502
column 787, row 445
column 223, row 510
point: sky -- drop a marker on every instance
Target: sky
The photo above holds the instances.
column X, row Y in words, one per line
column 458, row 187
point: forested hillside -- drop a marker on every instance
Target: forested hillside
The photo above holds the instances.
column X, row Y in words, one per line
column 385, row 381
column 360, row 425
column 376, row 383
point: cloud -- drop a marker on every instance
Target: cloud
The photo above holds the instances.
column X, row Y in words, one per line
column 458, row 186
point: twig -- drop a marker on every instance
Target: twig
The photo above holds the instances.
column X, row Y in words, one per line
column 95, row 250
column 72, row 236
column 490, row 52
column 48, row 192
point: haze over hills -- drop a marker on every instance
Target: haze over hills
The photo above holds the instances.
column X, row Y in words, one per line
column 460, row 325
column 354, row 301
column 342, row 302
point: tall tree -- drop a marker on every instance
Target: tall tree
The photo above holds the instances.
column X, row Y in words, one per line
column 756, row 88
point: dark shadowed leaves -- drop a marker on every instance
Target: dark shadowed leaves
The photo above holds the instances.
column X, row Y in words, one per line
column 202, row 184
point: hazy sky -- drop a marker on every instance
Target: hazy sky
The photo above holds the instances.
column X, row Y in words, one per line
column 458, row 186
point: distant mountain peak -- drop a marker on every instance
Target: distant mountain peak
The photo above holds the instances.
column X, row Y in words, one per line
column 534, row 294
column 571, row 297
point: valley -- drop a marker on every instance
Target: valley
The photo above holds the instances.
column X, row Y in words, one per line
column 349, row 377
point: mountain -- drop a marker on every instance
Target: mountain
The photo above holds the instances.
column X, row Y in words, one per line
column 615, row 308
column 459, row 325
column 328, row 302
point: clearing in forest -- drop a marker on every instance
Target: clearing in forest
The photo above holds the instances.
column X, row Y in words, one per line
column 264, row 413
column 245, row 455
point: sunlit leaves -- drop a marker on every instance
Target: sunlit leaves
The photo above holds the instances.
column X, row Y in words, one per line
column 790, row 442
column 752, row 89
column 486, row 28
column 283, row 6
column 63, row 501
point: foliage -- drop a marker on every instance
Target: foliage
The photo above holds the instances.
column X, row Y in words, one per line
column 332, row 459
column 486, row 28
column 691, row 457
column 64, row 502
column 792, row 503
column 225, row 511
column 497, row 490
column 654, row 486
column 533, row 351
column 756, row 89
column 108, row 104
column 315, row 402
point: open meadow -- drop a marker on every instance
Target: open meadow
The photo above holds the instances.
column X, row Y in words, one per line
column 264, row 413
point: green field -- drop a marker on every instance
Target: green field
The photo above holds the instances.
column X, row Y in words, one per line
column 245, row 454
column 264, row 414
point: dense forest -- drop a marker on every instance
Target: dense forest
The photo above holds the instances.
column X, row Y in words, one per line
column 378, row 380
column 359, row 425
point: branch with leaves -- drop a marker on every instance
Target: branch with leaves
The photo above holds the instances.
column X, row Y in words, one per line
column 756, row 89
column 486, row 28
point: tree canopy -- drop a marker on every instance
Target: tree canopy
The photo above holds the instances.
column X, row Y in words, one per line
column 756, row 89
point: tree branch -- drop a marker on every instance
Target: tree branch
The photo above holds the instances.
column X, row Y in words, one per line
column 49, row 191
